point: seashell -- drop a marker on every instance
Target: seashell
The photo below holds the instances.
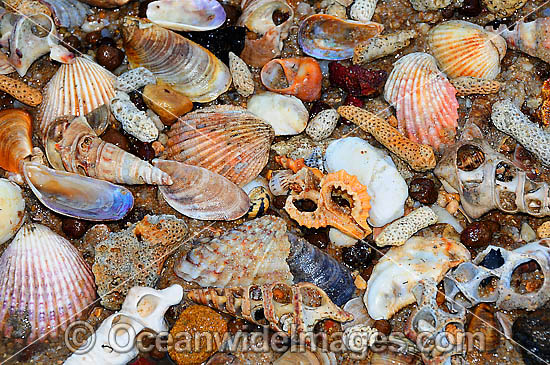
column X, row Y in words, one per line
column 356, row 306
column 300, row 146
column 227, row 140
column 46, row 284
column 330, row 38
column 188, row 16
column 399, row 231
column 544, row 230
column 15, row 138
column 26, row 7
column 374, row 169
column 419, row 157
column 134, row 79
column 259, row 202
column 390, row 286
column 62, row 97
column 5, row 65
column 323, row 124
column 424, row 100
column 61, row 54
column 20, row 91
column 531, row 38
column 134, row 121
column 78, row 196
column 106, row 3
column 382, row 46
column 166, row 102
column 68, row 14
column 242, row 77
column 484, row 322
column 465, row 49
column 12, row 209
column 285, row 113
column 302, row 355
column 187, row 67
column 252, row 253
column 503, row 8
column 363, row 10
column 300, row 77
column 429, row 5
column 468, row 85
column 201, row 194
column 340, row 239
column 279, row 184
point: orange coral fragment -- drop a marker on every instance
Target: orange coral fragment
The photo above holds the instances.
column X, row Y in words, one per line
column 21, row 91
column 544, row 110
column 296, row 165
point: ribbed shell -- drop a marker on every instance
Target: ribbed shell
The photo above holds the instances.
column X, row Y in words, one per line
column 189, row 68
column 465, row 49
column 424, row 100
column 76, row 89
column 69, row 14
column 44, row 281
column 227, row 140
column 15, row 138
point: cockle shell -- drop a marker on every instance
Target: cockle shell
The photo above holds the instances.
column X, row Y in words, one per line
column 532, row 38
column 76, row 89
column 330, row 38
column 45, row 282
column 466, row 49
column 12, row 209
column 15, row 138
column 186, row 15
column 285, row 113
column 186, row 66
column 424, row 100
column 202, row 194
column 390, row 286
column 302, row 355
column 300, row 77
column 227, row 140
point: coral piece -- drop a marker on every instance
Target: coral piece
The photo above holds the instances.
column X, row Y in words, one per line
column 135, row 256
column 242, row 77
column 288, row 163
column 356, row 80
column 134, row 79
column 544, row 110
column 503, row 8
column 300, row 77
column 45, row 285
column 15, row 138
column 468, row 85
column 285, row 113
column 382, row 46
column 419, row 157
column 166, row 102
column 322, row 125
column 363, row 10
column 227, row 140
column 397, row 233
column 134, row 121
column 12, row 209
column 424, row 100
column 20, row 91
column 188, row 16
column 544, row 230
column 531, row 38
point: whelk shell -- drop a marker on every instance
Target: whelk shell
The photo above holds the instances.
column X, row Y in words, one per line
column 186, row 66
column 15, row 138
column 12, row 209
column 330, row 38
column 227, row 140
column 186, row 15
column 45, row 281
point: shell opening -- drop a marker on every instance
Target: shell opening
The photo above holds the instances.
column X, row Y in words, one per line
column 469, row 157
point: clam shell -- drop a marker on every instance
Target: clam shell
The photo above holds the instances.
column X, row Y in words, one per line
column 186, row 15
column 330, row 38
column 227, row 140
column 15, row 138
column 12, row 209
column 424, row 100
column 285, row 113
column 186, row 66
column 45, row 282
column 202, row 194
column 76, row 89
column 465, row 49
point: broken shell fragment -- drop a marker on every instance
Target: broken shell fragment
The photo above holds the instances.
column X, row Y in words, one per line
column 399, row 231
column 134, row 121
column 242, row 77
column 166, row 102
column 429, row 5
column 15, row 138
column 285, row 113
column 382, row 46
column 468, row 85
column 12, row 209
column 187, row 15
column 531, row 38
column 68, row 14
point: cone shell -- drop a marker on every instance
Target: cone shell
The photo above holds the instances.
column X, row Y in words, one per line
column 201, row 194
column 45, row 282
column 465, row 49
column 15, row 138
column 186, row 66
column 424, row 100
column 76, row 89
column 227, row 140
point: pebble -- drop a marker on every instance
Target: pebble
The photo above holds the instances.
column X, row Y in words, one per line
column 109, row 57
column 317, row 237
column 166, row 102
column 478, row 234
column 470, row 8
column 423, row 190
column 357, row 256
column 74, row 228
column 382, row 326
column 532, row 333
column 113, row 136
column 72, row 43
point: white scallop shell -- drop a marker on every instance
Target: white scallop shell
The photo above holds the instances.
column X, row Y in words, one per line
column 12, row 209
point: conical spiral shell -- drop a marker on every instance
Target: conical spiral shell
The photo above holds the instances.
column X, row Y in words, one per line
column 227, row 140
column 45, row 281
column 424, row 100
column 187, row 67
column 15, row 138
column 465, row 49
column 76, row 89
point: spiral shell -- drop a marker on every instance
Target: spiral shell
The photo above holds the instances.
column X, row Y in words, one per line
column 279, row 184
column 12, row 209
column 465, row 49
column 45, row 281
column 187, row 67
column 15, row 138
column 242, row 77
column 532, row 38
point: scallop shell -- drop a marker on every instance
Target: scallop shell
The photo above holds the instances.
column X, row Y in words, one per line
column 76, row 89
column 202, row 194
column 186, row 15
column 465, row 49
column 15, row 138
column 187, row 67
column 227, row 140
column 45, row 284
column 424, row 100
column 12, row 209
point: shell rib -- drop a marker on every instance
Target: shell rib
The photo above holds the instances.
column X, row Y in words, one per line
column 45, row 281
column 187, row 67
column 15, row 138
column 227, row 140
column 424, row 100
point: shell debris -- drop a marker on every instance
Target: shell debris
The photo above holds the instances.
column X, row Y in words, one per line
column 430, row 5
column 382, row 46
column 469, row 85
column 21, row 91
column 363, row 10
column 503, row 8
column 134, row 79
column 134, row 121
column 398, row 232
column 242, row 78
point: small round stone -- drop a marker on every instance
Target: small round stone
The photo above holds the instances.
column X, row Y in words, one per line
column 72, row 43
column 382, row 326
column 470, row 8
column 92, row 39
column 423, row 190
column 113, row 136
column 478, row 234
column 357, row 256
column 143, row 150
column 74, row 228
column 109, row 57
column 317, row 237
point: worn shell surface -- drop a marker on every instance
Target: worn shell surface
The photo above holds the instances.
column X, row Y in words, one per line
column 68, row 14
column 465, row 49
column 45, row 283
column 242, row 77
column 12, row 209
column 227, row 140
column 202, row 194
column 186, row 66
column 285, row 113
column 134, row 121
column 363, row 10
column 424, row 100
column 531, row 38
column 503, row 8
column 15, row 138
column 330, row 38
column 188, row 15
column 381, row 46
column 76, row 89
column 322, row 126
